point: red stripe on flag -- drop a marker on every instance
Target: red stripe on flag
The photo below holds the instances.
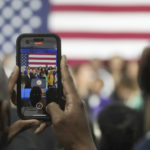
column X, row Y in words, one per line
column 102, row 8
column 33, row 58
column 76, row 62
column 42, row 63
column 104, row 35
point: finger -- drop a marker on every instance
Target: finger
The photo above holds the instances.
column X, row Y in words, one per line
column 42, row 127
column 21, row 125
column 14, row 97
column 13, row 79
column 55, row 112
column 67, row 80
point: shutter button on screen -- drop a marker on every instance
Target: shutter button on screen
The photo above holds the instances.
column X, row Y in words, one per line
column 39, row 105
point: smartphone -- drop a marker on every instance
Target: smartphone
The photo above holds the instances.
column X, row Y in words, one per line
column 39, row 83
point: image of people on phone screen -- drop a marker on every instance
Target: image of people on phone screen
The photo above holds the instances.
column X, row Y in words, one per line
column 38, row 79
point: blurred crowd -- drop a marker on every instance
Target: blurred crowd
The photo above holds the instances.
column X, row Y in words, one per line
column 101, row 83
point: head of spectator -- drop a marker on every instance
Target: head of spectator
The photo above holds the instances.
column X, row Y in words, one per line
column 96, row 64
column 42, row 74
column 116, row 66
column 35, row 95
column 97, row 86
column 34, row 71
column 120, row 127
column 144, row 73
column 132, row 68
column 31, row 71
column 84, row 78
column 50, row 68
column 144, row 83
column 125, row 88
column 51, row 71
column 48, row 71
column 51, row 95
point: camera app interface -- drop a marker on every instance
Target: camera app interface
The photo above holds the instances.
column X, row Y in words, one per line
column 39, row 84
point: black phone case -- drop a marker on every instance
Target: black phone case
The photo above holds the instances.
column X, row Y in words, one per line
column 59, row 100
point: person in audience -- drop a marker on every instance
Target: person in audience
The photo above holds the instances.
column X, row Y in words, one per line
column 120, row 126
column 34, row 73
column 96, row 101
column 106, row 77
column 144, row 83
column 126, row 92
column 131, row 72
column 84, row 77
column 51, row 95
column 28, row 78
column 35, row 95
column 50, row 78
column 116, row 67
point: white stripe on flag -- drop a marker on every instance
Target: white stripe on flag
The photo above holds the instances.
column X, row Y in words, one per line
column 42, row 56
column 104, row 2
column 99, row 22
column 104, row 49
column 35, row 66
column 36, row 60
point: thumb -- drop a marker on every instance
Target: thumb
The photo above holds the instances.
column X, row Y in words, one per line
column 55, row 112
column 21, row 125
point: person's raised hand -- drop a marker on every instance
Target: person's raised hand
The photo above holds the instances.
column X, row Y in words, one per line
column 19, row 125
column 71, row 125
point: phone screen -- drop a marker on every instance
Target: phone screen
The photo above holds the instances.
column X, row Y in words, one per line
column 39, row 74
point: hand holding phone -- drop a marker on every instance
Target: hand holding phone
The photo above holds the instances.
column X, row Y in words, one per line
column 71, row 126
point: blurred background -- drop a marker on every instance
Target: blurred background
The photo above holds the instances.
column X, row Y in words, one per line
column 88, row 29
column 103, row 41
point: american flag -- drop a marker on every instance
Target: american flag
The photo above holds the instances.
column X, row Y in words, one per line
column 88, row 28
column 101, row 28
column 34, row 60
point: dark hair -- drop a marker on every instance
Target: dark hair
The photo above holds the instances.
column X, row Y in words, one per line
column 120, row 126
column 51, row 95
column 35, row 95
column 127, row 83
column 144, row 72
